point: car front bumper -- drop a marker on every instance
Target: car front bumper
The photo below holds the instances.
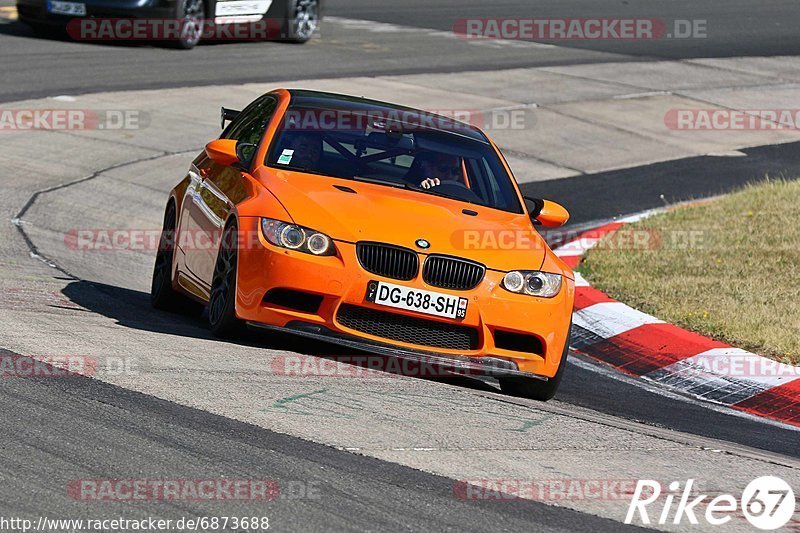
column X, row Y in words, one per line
column 340, row 280
column 456, row 364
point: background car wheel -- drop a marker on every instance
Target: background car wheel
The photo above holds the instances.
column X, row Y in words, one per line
column 534, row 388
column 192, row 13
column 162, row 295
column 302, row 20
column 222, row 305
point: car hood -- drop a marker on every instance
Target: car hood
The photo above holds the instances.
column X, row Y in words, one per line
column 499, row 240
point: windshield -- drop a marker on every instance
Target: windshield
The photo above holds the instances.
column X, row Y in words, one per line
column 425, row 160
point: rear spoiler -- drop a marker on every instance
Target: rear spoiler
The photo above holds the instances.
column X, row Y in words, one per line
column 226, row 115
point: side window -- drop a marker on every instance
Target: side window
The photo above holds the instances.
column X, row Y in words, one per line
column 245, row 116
column 250, row 126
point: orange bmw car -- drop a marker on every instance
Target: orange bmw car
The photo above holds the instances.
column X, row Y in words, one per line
column 374, row 226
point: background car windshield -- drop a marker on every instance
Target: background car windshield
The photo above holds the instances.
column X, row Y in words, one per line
column 397, row 154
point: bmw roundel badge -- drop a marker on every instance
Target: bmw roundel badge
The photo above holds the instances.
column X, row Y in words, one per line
column 422, row 243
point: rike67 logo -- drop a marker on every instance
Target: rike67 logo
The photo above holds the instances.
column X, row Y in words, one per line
column 767, row 502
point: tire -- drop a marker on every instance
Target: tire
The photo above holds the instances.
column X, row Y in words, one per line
column 162, row 295
column 222, row 304
column 535, row 389
column 302, row 20
column 192, row 13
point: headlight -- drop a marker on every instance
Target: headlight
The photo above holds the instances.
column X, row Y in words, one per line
column 297, row 238
column 532, row 283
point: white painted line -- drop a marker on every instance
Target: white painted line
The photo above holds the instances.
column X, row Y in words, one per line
column 609, row 319
column 641, row 95
column 385, row 27
column 641, row 216
column 580, row 281
column 576, row 247
column 730, row 153
column 739, row 364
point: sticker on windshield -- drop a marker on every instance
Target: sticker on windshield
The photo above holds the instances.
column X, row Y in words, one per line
column 286, row 157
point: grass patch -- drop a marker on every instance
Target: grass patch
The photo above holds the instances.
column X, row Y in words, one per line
column 727, row 269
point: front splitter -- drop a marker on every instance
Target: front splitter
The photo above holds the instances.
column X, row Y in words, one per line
column 458, row 364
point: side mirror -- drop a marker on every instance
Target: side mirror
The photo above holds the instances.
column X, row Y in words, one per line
column 548, row 214
column 222, row 151
column 245, row 152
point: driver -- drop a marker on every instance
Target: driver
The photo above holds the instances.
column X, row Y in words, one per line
column 307, row 150
column 436, row 168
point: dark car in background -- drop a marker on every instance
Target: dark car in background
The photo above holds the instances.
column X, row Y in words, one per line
column 287, row 20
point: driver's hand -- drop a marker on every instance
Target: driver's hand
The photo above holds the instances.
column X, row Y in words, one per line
column 427, row 183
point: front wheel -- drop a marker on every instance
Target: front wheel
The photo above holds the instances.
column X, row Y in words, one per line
column 222, row 304
column 536, row 389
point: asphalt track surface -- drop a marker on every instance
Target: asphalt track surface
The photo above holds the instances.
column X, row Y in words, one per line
column 55, row 431
column 733, row 28
column 34, row 67
column 123, row 431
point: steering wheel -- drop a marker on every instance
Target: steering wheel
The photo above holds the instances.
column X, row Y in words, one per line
column 457, row 190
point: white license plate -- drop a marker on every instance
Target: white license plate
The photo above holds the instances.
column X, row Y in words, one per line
column 232, row 8
column 421, row 301
column 76, row 9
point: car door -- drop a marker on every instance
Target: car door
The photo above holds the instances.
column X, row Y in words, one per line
column 215, row 189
